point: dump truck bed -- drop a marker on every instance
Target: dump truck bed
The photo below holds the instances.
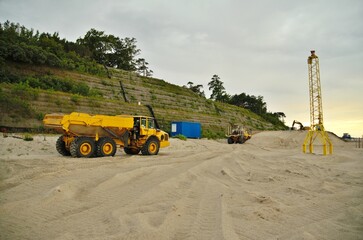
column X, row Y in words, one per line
column 89, row 125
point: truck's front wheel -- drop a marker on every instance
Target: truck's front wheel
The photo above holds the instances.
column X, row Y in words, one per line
column 151, row 147
column 82, row 147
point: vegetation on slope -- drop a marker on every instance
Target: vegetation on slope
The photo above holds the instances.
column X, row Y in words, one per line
column 39, row 74
column 22, row 45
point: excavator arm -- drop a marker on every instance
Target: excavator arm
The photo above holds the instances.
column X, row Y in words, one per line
column 298, row 123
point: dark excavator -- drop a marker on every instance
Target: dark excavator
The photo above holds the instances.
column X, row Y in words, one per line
column 301, row 126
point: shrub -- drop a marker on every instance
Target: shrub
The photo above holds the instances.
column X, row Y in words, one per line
column 58, row 102
column 48, row 82
column 13, row 104
column 28, row 137
column 181, row 137
column 95, row 93
column 40, row 116
column 75, row 99
column 23, row 91
column 80, row 88
column 213, row 134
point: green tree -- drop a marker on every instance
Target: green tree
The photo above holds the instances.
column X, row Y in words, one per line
column 96, row 42
column 251, row 102
column 196, row 88
column 110, row 50
column 281, row 116
column 142, row 68
column 51, row 43
column 218, row 90
column 20, row 44
column 128, row 52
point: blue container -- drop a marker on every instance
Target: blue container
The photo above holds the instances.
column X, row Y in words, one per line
column 188, row 129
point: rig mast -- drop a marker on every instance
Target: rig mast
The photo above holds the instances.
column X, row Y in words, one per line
column 316, row 108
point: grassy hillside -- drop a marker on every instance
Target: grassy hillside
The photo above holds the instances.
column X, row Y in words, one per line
column 33, row 91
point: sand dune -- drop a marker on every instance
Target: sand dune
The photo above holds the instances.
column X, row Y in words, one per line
column 195, row 189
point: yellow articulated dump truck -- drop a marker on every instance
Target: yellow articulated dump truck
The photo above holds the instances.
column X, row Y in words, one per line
column 85, row 135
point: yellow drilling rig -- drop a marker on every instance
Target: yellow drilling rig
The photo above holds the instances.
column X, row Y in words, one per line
column 316, row 108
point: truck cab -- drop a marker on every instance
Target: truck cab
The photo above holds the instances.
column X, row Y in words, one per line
column 144, row 127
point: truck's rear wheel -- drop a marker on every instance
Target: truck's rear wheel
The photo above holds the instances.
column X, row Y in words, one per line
column 131, row 151
column 106, row 147
column 151, row 147
column 82, row 147
column 60, row 145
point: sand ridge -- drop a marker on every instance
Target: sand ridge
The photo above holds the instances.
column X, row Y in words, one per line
column 195, row 189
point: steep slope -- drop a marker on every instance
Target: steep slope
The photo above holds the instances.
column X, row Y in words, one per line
column 23, row 106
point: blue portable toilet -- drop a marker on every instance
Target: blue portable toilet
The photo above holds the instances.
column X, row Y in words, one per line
column 188, row 129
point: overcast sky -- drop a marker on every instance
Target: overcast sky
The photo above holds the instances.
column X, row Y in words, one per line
column 257, row 47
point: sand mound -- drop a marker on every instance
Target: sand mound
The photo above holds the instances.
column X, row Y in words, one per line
column 195, row 189
column 289, row 139
column 285, row 139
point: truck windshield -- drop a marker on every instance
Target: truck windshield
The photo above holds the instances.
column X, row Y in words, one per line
column 143, row 122
column 151, row 123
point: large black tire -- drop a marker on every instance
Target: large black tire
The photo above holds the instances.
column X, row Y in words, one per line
column 60, row 145
column 82, row 147
column 230, row 140
column 151, row 147
column 241, row 139
column 131, row 151
column 106, row 147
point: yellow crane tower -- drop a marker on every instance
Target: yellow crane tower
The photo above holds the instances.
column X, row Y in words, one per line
column 316, row 108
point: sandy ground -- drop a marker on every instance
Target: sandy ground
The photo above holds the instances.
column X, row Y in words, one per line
column 195, row 189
